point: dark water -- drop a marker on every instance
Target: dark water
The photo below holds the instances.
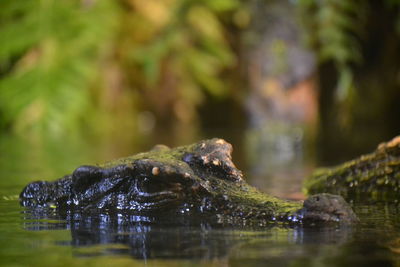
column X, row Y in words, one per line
column 29, row 239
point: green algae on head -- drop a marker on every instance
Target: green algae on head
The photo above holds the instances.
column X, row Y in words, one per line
column 198, row 180
column 373, row 176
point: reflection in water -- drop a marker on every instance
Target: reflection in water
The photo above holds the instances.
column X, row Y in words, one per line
column 82, row 240
column 145, row 237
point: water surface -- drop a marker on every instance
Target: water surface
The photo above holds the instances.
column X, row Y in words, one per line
column 29, row 239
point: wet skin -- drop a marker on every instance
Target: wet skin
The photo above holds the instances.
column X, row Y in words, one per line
column 197, row 180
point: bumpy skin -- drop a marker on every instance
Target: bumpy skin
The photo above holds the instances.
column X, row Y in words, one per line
column 376, row 175
column 198, row 179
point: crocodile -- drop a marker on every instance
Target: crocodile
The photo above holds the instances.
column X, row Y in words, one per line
column 374, row 176
column 194, row 180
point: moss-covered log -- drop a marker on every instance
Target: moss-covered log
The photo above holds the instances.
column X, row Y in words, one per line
column 375, row 175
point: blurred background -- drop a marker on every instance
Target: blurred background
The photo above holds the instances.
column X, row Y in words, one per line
column 292, row 84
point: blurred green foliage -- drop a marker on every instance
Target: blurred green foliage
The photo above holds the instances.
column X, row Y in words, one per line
column 101, row 63
column 336, row 30
column 49, row 56
column 178, row 50
column 64, row 64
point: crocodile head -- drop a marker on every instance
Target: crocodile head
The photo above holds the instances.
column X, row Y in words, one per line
column 155, row 180
column 199, row 178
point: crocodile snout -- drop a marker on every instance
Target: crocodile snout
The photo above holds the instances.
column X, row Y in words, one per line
column 325, row 208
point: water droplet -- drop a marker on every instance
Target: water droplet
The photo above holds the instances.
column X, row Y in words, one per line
column 76, row 201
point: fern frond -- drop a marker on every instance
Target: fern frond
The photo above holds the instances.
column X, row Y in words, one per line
column 53, row 48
